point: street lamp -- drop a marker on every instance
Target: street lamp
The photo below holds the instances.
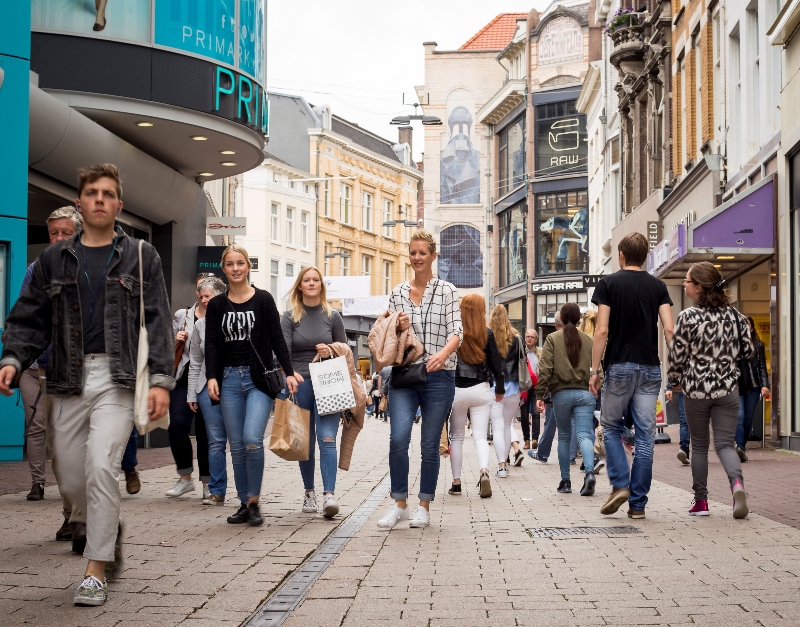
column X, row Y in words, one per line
column 401, row 220
column 339, row 253
column 427, row 120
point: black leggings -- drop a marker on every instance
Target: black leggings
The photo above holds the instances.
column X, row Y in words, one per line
column 180, row 424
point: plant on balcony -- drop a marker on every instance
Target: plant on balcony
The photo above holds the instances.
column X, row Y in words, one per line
column 622, row 18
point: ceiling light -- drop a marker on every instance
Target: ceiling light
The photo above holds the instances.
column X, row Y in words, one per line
column 228, row 163
column 717, row 265
column 199, row 138
column 725, row 257
column 144, row 124
column 227, row 152
column 206, row 174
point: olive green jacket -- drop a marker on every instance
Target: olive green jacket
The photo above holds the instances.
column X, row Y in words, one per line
column 555, row 370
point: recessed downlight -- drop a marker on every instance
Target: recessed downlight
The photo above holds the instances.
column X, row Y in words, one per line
column 199, row 138
column 726, row 257
column 228, row 163
column 227, row 152
column 143, row 124
column 206, row 174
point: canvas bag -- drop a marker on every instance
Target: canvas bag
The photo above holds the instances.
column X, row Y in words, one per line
column 523, row 374
column 332, row 388
column 290, row 431
column 141, row 416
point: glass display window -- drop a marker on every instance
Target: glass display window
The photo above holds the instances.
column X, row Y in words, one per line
column 513, row 245
column 562, row 227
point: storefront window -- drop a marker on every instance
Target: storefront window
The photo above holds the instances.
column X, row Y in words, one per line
column 561, row 140
column 460, row 259
column 516, row 315
column 548, row 305
column 562, row 224
column 513, row 248
column 511, row 154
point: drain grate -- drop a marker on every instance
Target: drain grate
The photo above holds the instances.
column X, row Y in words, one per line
column 289, row 595
column 573, row 532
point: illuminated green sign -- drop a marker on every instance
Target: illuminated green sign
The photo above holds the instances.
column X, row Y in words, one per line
column 249, row 101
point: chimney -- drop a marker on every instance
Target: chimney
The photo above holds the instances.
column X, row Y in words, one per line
column 404, row 137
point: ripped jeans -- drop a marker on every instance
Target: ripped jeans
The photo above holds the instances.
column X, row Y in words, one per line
column 245, row 412
column 324, row 428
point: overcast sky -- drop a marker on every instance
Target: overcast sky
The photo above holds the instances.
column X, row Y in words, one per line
column 361, row 56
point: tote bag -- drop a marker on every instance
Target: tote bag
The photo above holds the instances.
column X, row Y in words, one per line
column 290, row 431
column 141, row 416
column 524, row 374
column 332, row 387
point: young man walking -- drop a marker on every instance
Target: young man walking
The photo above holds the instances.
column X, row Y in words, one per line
column 84, row 299
column 630, row 303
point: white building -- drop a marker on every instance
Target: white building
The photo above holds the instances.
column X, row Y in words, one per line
column 279, row 202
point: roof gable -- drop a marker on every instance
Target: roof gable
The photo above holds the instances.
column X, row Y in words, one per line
column 497, row 34
column 363, row 138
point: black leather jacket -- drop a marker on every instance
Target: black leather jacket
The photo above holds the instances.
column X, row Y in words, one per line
column 754, row 376
column 49, row 310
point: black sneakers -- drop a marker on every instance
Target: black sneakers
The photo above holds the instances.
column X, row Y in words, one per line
column 78, row 538
column 64, row 534
column 36, row 493
column 565, row 487
column 588, row 484
column 241, row 516
column 455, row 489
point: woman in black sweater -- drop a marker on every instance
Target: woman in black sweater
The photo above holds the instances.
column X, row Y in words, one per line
column 243, row 329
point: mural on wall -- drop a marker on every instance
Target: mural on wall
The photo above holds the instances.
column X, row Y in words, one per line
column 459, row 163
column 560, row 41
column 460, row 259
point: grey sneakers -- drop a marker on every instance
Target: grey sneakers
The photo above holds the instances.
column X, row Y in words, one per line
column 182, row 487
column 91, row 592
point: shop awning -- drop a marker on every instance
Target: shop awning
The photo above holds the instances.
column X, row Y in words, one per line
column 735, row 237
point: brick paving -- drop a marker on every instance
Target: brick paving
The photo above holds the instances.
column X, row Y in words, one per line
column 475, row 565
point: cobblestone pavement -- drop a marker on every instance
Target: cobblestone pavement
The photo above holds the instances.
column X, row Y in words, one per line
column 475, row 565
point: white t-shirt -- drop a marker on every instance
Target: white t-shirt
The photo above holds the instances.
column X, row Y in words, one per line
column 533, row 358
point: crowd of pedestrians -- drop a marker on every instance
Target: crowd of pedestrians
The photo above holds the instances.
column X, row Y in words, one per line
column 71, row 347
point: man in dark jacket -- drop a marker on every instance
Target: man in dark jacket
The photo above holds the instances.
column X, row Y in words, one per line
column 84, row 299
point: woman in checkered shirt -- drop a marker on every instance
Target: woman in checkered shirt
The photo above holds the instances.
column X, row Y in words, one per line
column 431, row 306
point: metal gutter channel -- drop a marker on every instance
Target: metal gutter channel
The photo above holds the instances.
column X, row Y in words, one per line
column 291, row 593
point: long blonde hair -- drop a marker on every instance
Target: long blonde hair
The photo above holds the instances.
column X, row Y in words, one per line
column 501, row 327
column 236, row 248
column 588, row 322
column 296, row 296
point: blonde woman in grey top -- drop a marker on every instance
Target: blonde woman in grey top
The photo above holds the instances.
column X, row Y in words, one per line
column 308, row 327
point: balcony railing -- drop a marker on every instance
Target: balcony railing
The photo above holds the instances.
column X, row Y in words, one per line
column 626, row 30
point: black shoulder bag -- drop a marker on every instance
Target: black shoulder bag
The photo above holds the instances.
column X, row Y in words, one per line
column 272, row 376
column 414, row 374
column 742, row 364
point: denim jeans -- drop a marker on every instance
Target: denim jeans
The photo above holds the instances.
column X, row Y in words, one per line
column 685, row 437
column 435, row 399
column 747, row 407
column 637, row 385
column 215, row 430
column 325, row 428
column 548, row 433
column 574, row 407
column 245, row 412
column 129, row 461
column 573, row 440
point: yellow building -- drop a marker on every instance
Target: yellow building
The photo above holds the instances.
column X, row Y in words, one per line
column 366, row 180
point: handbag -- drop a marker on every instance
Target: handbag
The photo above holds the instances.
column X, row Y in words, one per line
column 181, row 346
column 412, row 375
column 524, row 374
column 741, row 364
column 290, row 439
column 333, row 390
column 273, row 379
column 141, row 414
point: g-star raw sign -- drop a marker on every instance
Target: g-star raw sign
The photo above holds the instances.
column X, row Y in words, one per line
column 226, row 226
column 569, row 285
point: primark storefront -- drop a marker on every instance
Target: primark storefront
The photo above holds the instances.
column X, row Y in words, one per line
column 169, row 90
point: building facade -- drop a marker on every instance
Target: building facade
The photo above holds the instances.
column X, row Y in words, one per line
column 458, row 193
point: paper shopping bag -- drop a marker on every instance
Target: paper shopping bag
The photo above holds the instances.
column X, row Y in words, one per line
column 332, row 387
column 290, row 431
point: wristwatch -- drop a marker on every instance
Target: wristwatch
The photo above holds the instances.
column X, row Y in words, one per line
column 593, row 372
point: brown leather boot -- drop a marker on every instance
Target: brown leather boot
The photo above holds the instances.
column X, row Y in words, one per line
column 132, row 483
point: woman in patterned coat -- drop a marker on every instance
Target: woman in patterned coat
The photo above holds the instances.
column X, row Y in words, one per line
column 710, row 338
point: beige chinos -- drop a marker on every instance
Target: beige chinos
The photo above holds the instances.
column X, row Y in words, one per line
column 90, row 433
column 34, row 423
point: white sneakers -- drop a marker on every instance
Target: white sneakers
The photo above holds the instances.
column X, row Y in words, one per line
column 310, row 503
column 329, row 506
column 502, row 472
column 419, row 520
column 206, row 492
column 392, row 517
column 182, row 487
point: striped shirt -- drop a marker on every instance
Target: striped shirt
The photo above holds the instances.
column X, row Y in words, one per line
column 439, row 309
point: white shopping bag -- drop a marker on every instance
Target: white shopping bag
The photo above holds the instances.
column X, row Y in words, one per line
column 332, row 387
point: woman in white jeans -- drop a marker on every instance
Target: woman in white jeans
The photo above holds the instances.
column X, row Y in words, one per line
column 503, row 411
column 478, row 360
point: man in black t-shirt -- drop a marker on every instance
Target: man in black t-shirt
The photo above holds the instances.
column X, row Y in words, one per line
column 630, row 303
